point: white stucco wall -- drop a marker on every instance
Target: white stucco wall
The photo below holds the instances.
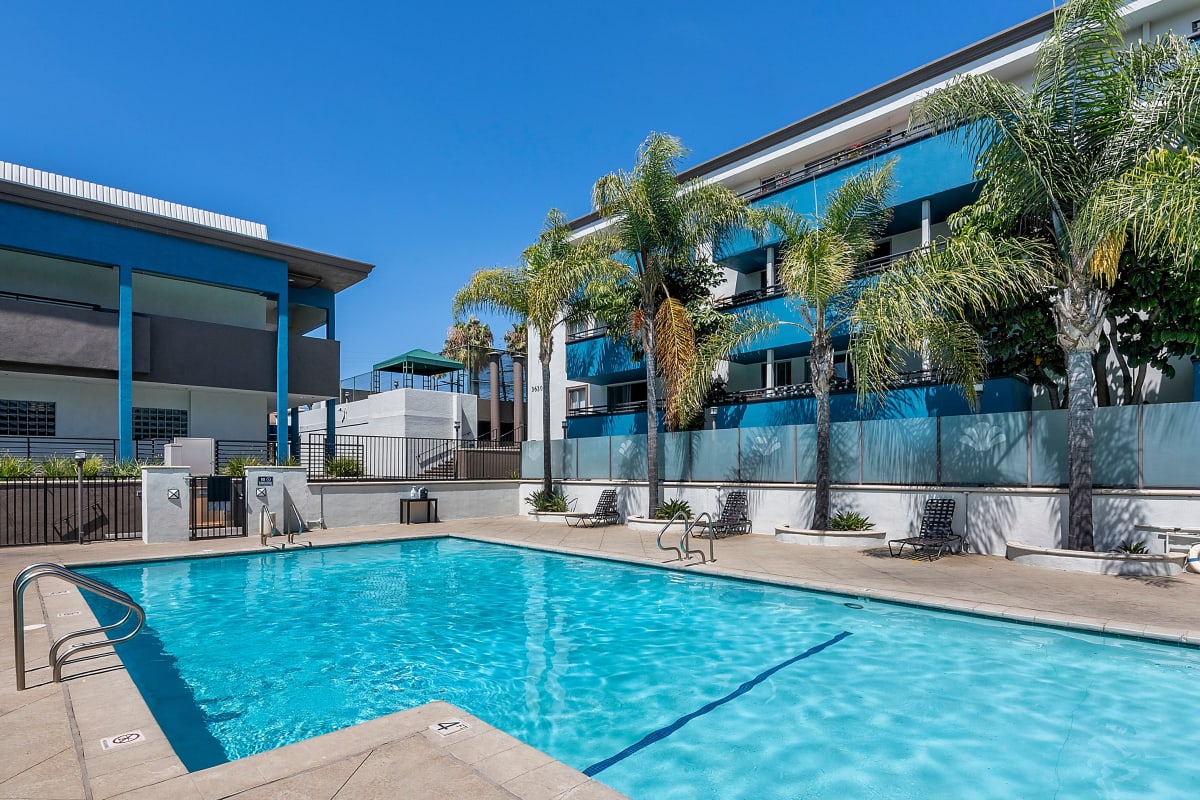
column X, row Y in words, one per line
column 153, row 294
column 402, row 412
column 558, row 386
column 348, row 504
column 86, row 408
column 990, row 517
column 25, row 273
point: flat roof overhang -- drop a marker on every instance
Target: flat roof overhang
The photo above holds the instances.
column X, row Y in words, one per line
column 306, row 268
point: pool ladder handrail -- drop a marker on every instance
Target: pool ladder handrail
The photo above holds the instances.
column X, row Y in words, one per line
column 58, row 660
column 684, row 552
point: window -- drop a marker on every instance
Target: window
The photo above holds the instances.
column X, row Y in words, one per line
column 626, row 394
column 159, row 423
column 576, row 398
column 26, row 418
column 783, row 373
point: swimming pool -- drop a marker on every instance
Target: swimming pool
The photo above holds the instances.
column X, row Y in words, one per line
column 660, row 684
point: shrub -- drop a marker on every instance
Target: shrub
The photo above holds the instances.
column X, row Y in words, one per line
column 236, row 466
column 57, row 467
column 290, row 461
column 15, row 467
column 127, row 468
column 1130, row 547
column 541, row 501
column 93, row 465
column 343, row 467
column 849, row 521
column 673, row 507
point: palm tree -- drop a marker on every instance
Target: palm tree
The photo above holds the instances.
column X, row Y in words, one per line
column 664, row 230
column 1069, row 163
column 543, row 293
column 917, row 304
column 469, row 342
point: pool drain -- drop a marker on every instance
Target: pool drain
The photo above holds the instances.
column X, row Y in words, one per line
column 852, row 605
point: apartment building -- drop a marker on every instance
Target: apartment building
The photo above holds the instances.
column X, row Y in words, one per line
column 598, row 389
column 132, row 319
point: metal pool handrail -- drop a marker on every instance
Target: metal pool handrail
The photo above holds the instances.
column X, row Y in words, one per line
column 684, row 552
column 57, row 660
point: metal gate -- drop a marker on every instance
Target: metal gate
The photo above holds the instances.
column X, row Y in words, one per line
column 216, row 506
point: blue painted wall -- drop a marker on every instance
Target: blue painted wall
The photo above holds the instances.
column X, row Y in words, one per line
column 924, row 168
column 999, row 395
column 602, row 360
column 609, row 425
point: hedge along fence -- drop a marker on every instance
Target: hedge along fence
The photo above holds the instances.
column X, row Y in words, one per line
column 1138, row 447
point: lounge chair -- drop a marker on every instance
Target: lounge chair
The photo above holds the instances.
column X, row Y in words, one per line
column 605, row 514
column 733, row 519
column 937, row 536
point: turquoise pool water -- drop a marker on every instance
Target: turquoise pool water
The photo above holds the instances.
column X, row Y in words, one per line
column 661, row 684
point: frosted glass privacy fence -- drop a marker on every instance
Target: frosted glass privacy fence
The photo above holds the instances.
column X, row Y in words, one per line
column 1147, row 446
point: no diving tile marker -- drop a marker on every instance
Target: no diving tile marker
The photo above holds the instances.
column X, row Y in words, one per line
column 449, row 727
column 122, row 739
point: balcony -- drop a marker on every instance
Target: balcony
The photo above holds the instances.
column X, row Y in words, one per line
column 909, row 396
column 619, row 419
column 601, row 360
column 928, row 168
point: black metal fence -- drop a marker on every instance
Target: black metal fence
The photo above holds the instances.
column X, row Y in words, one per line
column 47, row 510
column 229, row 449
column 216, row 506
column 38, row 448
column 408, row 458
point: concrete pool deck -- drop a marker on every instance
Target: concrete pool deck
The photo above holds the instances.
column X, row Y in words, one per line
column 52, row 743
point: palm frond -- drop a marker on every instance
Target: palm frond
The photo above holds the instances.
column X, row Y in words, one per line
column 732, row 333
column 502, row 290
column 1159, row 200
column 927, row 295
column 675, row 351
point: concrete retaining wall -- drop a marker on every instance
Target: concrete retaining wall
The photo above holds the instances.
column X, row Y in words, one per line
column 362, row 503
column 989, row 518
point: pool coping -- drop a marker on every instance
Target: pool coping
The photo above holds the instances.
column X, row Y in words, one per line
column 106, row 703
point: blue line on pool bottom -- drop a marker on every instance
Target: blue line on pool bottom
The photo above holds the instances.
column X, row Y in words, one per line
column 666, row 731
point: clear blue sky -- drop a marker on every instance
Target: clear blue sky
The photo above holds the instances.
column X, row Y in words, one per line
column 430, row 139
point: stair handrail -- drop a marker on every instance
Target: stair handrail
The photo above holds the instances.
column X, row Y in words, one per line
column 58, row 660
column 687, row 532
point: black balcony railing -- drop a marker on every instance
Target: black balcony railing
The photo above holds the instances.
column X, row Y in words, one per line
column 837, row 385
column 587, row 333
column 847, row 155
column 752, row 296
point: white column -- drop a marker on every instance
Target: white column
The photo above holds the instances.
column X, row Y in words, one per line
column 771, row 368
column 926, row 240
column 770, row 266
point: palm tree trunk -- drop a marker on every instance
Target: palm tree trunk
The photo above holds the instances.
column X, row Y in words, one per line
column 1079, row 312
column 1081, row 380
column 547, row 478
column 648, row 342
column 821, row 359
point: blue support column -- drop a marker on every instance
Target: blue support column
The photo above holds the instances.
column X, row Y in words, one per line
column 125, row 364
column 281, row 379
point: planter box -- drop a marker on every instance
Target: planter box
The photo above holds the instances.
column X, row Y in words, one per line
column 552, row 517
column 653, row 525
column 1097, row 563
column 789, row 535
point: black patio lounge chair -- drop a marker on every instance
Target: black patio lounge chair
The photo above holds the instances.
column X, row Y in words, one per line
column 605, row 513
column 733, row 519
column 937, row 536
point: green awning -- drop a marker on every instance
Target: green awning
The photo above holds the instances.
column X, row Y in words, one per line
column 418, row 362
